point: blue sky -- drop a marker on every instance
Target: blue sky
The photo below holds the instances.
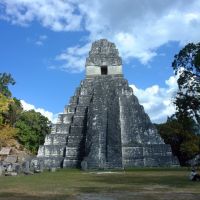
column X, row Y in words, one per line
column 43, row 44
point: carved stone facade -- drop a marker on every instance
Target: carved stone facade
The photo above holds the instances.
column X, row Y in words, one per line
column 103, row 59
column 104, row 126
column 103, row 53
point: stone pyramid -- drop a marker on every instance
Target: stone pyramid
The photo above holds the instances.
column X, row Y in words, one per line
column 104, row 126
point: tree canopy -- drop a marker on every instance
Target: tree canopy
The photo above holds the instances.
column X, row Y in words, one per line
column 187, row 65
column 180, row 135
column 26, row 127
column 33, row 127
column 182, row 130
column 5, row 80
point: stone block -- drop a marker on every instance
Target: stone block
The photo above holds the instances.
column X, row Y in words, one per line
column 81, row 110
column 78, row 120
column 62, row 129
column 56, row 139
column 70, row 163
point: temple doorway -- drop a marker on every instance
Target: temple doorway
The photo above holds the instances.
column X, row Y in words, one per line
column 104, row 70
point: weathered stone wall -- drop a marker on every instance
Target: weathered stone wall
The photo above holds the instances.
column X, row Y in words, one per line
column 93, row 71
column 103, row 138
column 103, row 53
column 96, row 70
column 115, row 70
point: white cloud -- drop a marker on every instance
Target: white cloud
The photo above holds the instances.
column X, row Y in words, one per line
column 58, row 15
column 157, row 101
column 52, row 117
column 41, row 39
column 138, row 28
column 73, row 58
column 38, row 40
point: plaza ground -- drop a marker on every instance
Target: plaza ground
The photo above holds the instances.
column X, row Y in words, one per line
column 138, row 184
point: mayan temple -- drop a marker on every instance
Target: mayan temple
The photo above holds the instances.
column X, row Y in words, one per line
column 104, row 126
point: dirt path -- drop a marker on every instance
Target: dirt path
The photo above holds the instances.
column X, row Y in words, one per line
column 139, row 196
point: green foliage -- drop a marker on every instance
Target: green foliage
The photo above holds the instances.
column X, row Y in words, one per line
column 9, row 107
column 180, row 135
column 187, row 64
column 28, row 127
column 7, row 136
column 5, row 80
column 182, row 130
column 33, row 127
column 4, row 106
column 13, row 112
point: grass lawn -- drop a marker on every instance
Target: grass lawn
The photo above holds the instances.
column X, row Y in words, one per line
column 138, row 184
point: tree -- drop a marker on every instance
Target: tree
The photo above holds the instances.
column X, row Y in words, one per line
column 8, row 136
column 4, row 107
column 182, row 130
column 9, row 107
column 13, row 112
column 5, row 80
column 33, row 127
column 27, row 127
column 187, row 64
column 179, row 134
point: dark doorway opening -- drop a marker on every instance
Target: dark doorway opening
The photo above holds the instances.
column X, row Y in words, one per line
column 104, row 70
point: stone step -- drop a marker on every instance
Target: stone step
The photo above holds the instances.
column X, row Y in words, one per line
column 84, row 100
column 86, row 91
column 73, row 100
column 50, row 162
column 55, row 139
column 65, row 118
column 78, row 120
column 146, row 151
column 71, row 151
column 105, row 165
column 75, row 139
column 70, row 163
column 139, row 162
column 70, row 109
column 150, row 161
column 80, row 110
column 74, row 143
column 60, row 129
column 76, row 130
column 77, row 91
column 51, row 150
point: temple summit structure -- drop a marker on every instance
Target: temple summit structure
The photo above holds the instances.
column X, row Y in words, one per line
column 104, row 126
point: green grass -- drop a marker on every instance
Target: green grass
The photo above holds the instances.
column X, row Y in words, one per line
column 152, row 183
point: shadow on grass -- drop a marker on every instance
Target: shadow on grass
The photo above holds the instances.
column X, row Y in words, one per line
column 139, row 196
column 131, row 181
column 104, row 196
column 20, row 196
